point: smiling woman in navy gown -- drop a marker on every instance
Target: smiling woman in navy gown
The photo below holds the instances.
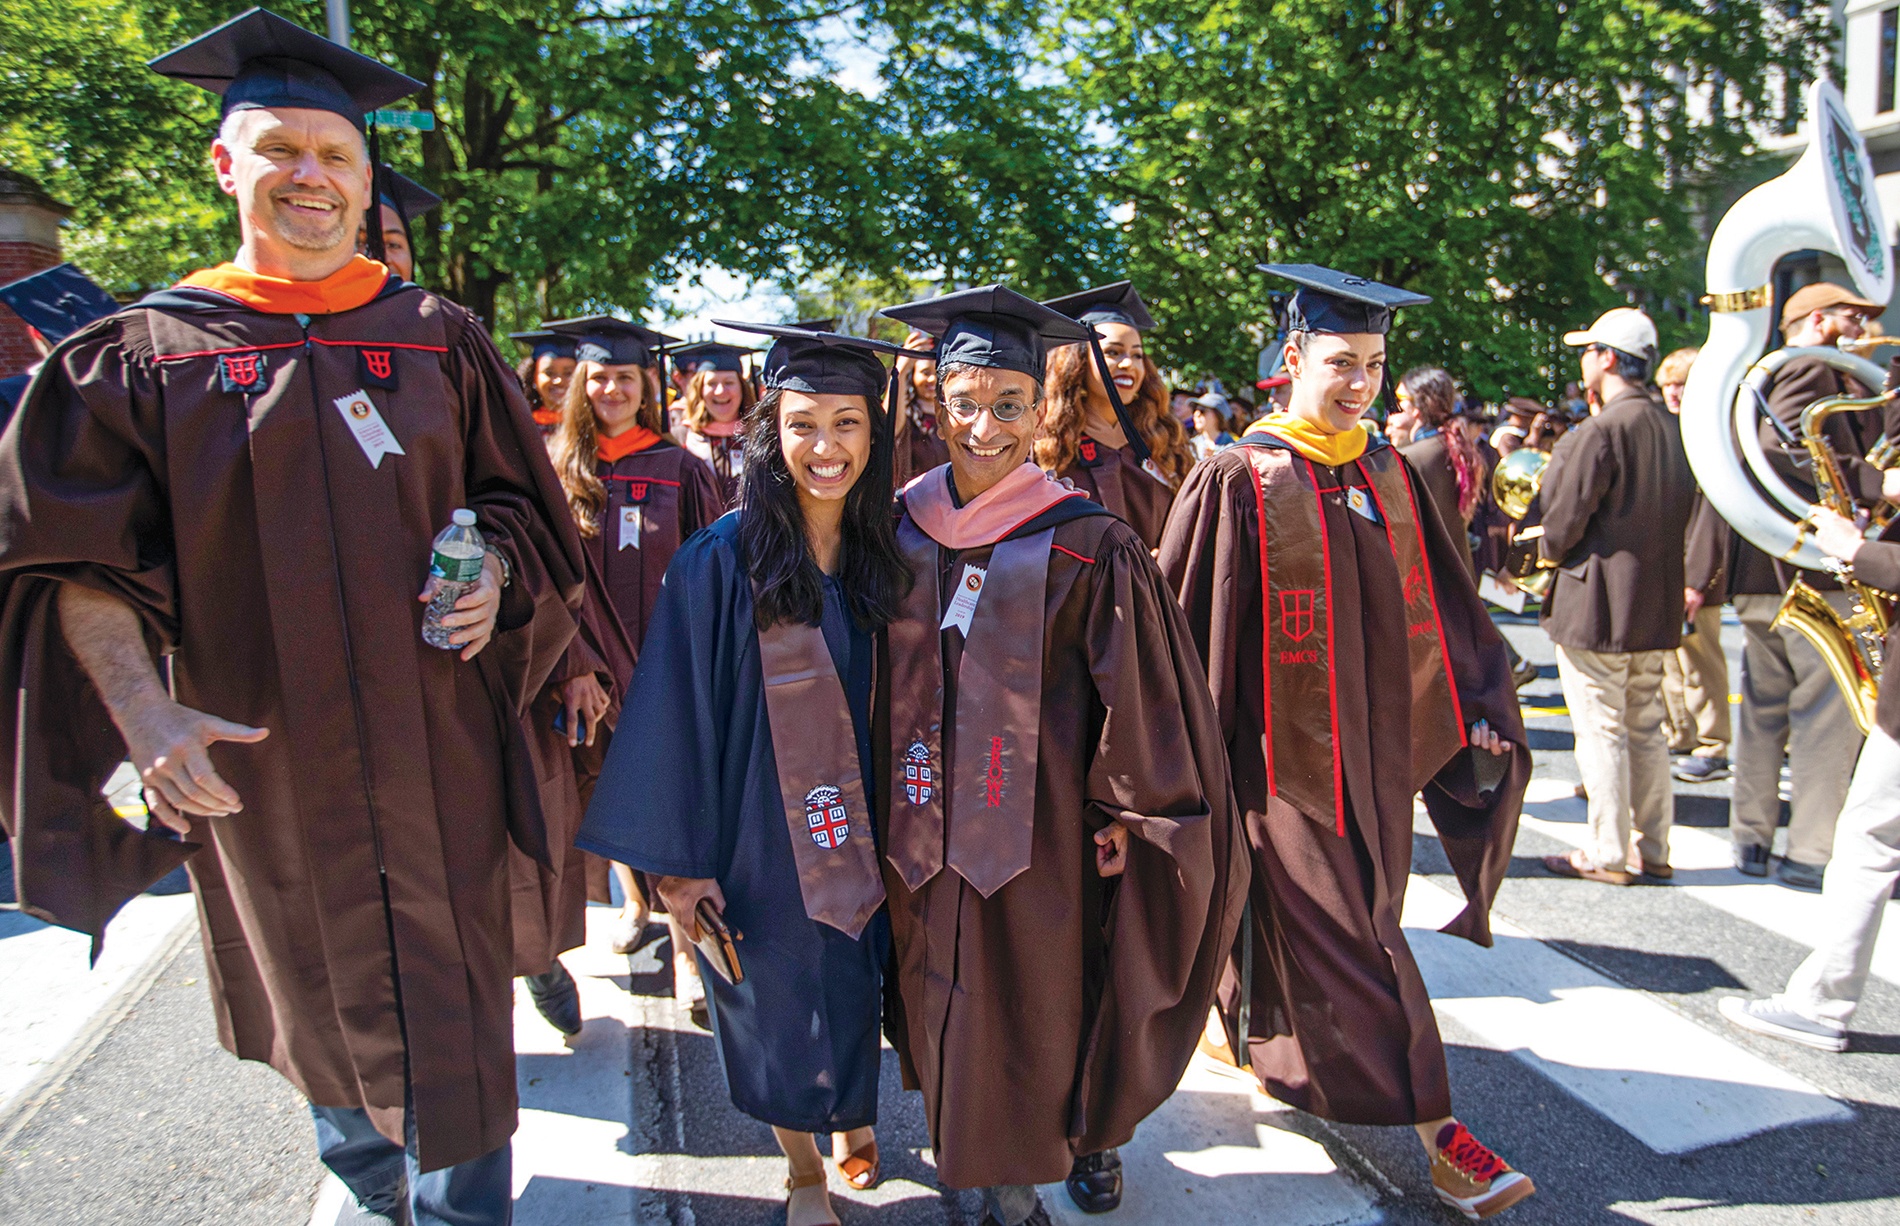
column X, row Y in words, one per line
column 756, row 678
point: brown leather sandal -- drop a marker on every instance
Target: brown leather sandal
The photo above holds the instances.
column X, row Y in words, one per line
column 795, row 1181
column 1576, row 866
column 861, row 1169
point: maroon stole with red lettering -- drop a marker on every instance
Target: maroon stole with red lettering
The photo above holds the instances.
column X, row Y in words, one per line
column 820, row 778
column 992, row 787
column 1302, row 701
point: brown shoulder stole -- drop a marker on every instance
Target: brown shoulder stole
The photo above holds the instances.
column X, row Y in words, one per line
column 819, row 778
column 1300, row 686
column 992, row 787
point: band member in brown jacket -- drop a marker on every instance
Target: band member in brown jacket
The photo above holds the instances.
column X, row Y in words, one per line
column 1616, row 501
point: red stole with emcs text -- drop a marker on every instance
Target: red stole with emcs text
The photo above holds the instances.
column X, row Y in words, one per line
column 1301, row 684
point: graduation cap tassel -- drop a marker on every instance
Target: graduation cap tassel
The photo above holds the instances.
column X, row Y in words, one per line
column 887, row 429
column 373, row 220
column 1140, row 444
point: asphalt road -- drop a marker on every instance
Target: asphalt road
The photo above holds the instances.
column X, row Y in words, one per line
column 1585, row 1047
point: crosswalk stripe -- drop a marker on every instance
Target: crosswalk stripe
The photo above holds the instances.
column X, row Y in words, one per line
column 1706, row 872
column 1665, row 1080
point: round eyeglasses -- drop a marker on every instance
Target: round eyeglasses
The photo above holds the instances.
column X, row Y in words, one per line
column 1006, row 409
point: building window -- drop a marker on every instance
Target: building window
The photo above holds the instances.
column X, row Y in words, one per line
column 1889, row 47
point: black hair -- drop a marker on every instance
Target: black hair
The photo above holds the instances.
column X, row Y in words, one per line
column 788, row 584
column 1629, row 367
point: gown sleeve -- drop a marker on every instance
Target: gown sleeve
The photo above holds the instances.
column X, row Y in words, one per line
column 80, row 502
column 1210, row 555
column 661, row 804
column 1475, row 798
column 1160, row 768
column 510, row 485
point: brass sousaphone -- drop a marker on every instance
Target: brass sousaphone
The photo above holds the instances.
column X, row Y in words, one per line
column 1824, row 202
column 1514, row 487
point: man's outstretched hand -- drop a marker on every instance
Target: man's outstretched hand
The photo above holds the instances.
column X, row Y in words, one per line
column 168, row 744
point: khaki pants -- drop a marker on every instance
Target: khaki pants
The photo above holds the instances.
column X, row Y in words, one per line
column 1790, row 705
column 1620, row 724
column 1695, row 689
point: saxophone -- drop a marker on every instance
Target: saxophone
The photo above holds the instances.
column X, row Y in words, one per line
column 1825, row 201
column 1850, row 646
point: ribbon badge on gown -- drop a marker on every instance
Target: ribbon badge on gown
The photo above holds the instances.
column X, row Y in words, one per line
column 820, row 779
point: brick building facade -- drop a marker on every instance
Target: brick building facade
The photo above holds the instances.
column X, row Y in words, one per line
column 29, row 241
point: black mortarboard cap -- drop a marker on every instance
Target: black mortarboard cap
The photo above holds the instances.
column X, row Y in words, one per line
column 612, row 341
column 542, row 343
column 1332, row 301
column 258, row 59
column 710, row 355
column 1106, row 304
column 820, row 362
column 993, row 326
column 400, row 192
column 57, row 301
column 828, row 324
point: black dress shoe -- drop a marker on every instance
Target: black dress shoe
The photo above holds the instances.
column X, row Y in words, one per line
column 557, row 998
column 1095, row 1182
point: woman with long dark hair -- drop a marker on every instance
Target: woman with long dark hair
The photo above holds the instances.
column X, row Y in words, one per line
column 1454, row 475
column 713, row 409
column 757, row 680
column 1083, row 440
column 635, row 496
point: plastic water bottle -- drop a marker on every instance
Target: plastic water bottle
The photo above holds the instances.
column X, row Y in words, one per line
column 456, row 566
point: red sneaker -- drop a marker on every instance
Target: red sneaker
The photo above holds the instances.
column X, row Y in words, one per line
column 1473, row 1180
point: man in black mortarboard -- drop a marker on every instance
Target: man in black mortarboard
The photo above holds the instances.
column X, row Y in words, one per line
column 343, row 794
column 1063, row 866
column 54, row 303
column 1338, row 621
column 402, row 200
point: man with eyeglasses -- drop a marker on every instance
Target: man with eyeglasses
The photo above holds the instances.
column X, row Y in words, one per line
column 1790, row 704
column 1063, row 861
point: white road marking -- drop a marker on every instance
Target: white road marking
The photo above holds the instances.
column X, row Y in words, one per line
column 1218, row 1151
column 1705, row 870
column 1665, row 1080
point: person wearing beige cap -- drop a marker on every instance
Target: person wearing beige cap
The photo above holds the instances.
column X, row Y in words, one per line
column 1616, row 500
column 1790, row 704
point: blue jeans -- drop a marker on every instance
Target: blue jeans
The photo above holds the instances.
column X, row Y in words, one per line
column 377, row 1171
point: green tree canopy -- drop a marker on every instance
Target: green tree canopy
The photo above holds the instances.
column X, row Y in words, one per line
column 1528, row 163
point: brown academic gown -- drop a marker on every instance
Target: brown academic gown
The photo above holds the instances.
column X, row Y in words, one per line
column 724, row 457
column 676, row 494
column 1050, row 1018
column 1341, row 1025
column 550, row 903
column 1113, row 477
column 919, row 449
column 279, row 569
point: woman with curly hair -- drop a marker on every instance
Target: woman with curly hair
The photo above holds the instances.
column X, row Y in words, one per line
column 713, row 411
column 1083, row 440
column 544, row 375
column 1454, row 475
column 919, row 447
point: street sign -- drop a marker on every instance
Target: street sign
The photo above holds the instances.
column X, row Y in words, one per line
column 414, row 121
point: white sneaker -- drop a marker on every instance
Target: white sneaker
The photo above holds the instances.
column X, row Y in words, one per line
column 1775, row 1019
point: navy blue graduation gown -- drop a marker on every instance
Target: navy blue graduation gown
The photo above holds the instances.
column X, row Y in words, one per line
column 694, row 793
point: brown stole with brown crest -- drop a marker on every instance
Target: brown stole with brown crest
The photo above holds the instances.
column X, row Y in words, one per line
column 992, row 787
column 1301, row 686
column 820, row 779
